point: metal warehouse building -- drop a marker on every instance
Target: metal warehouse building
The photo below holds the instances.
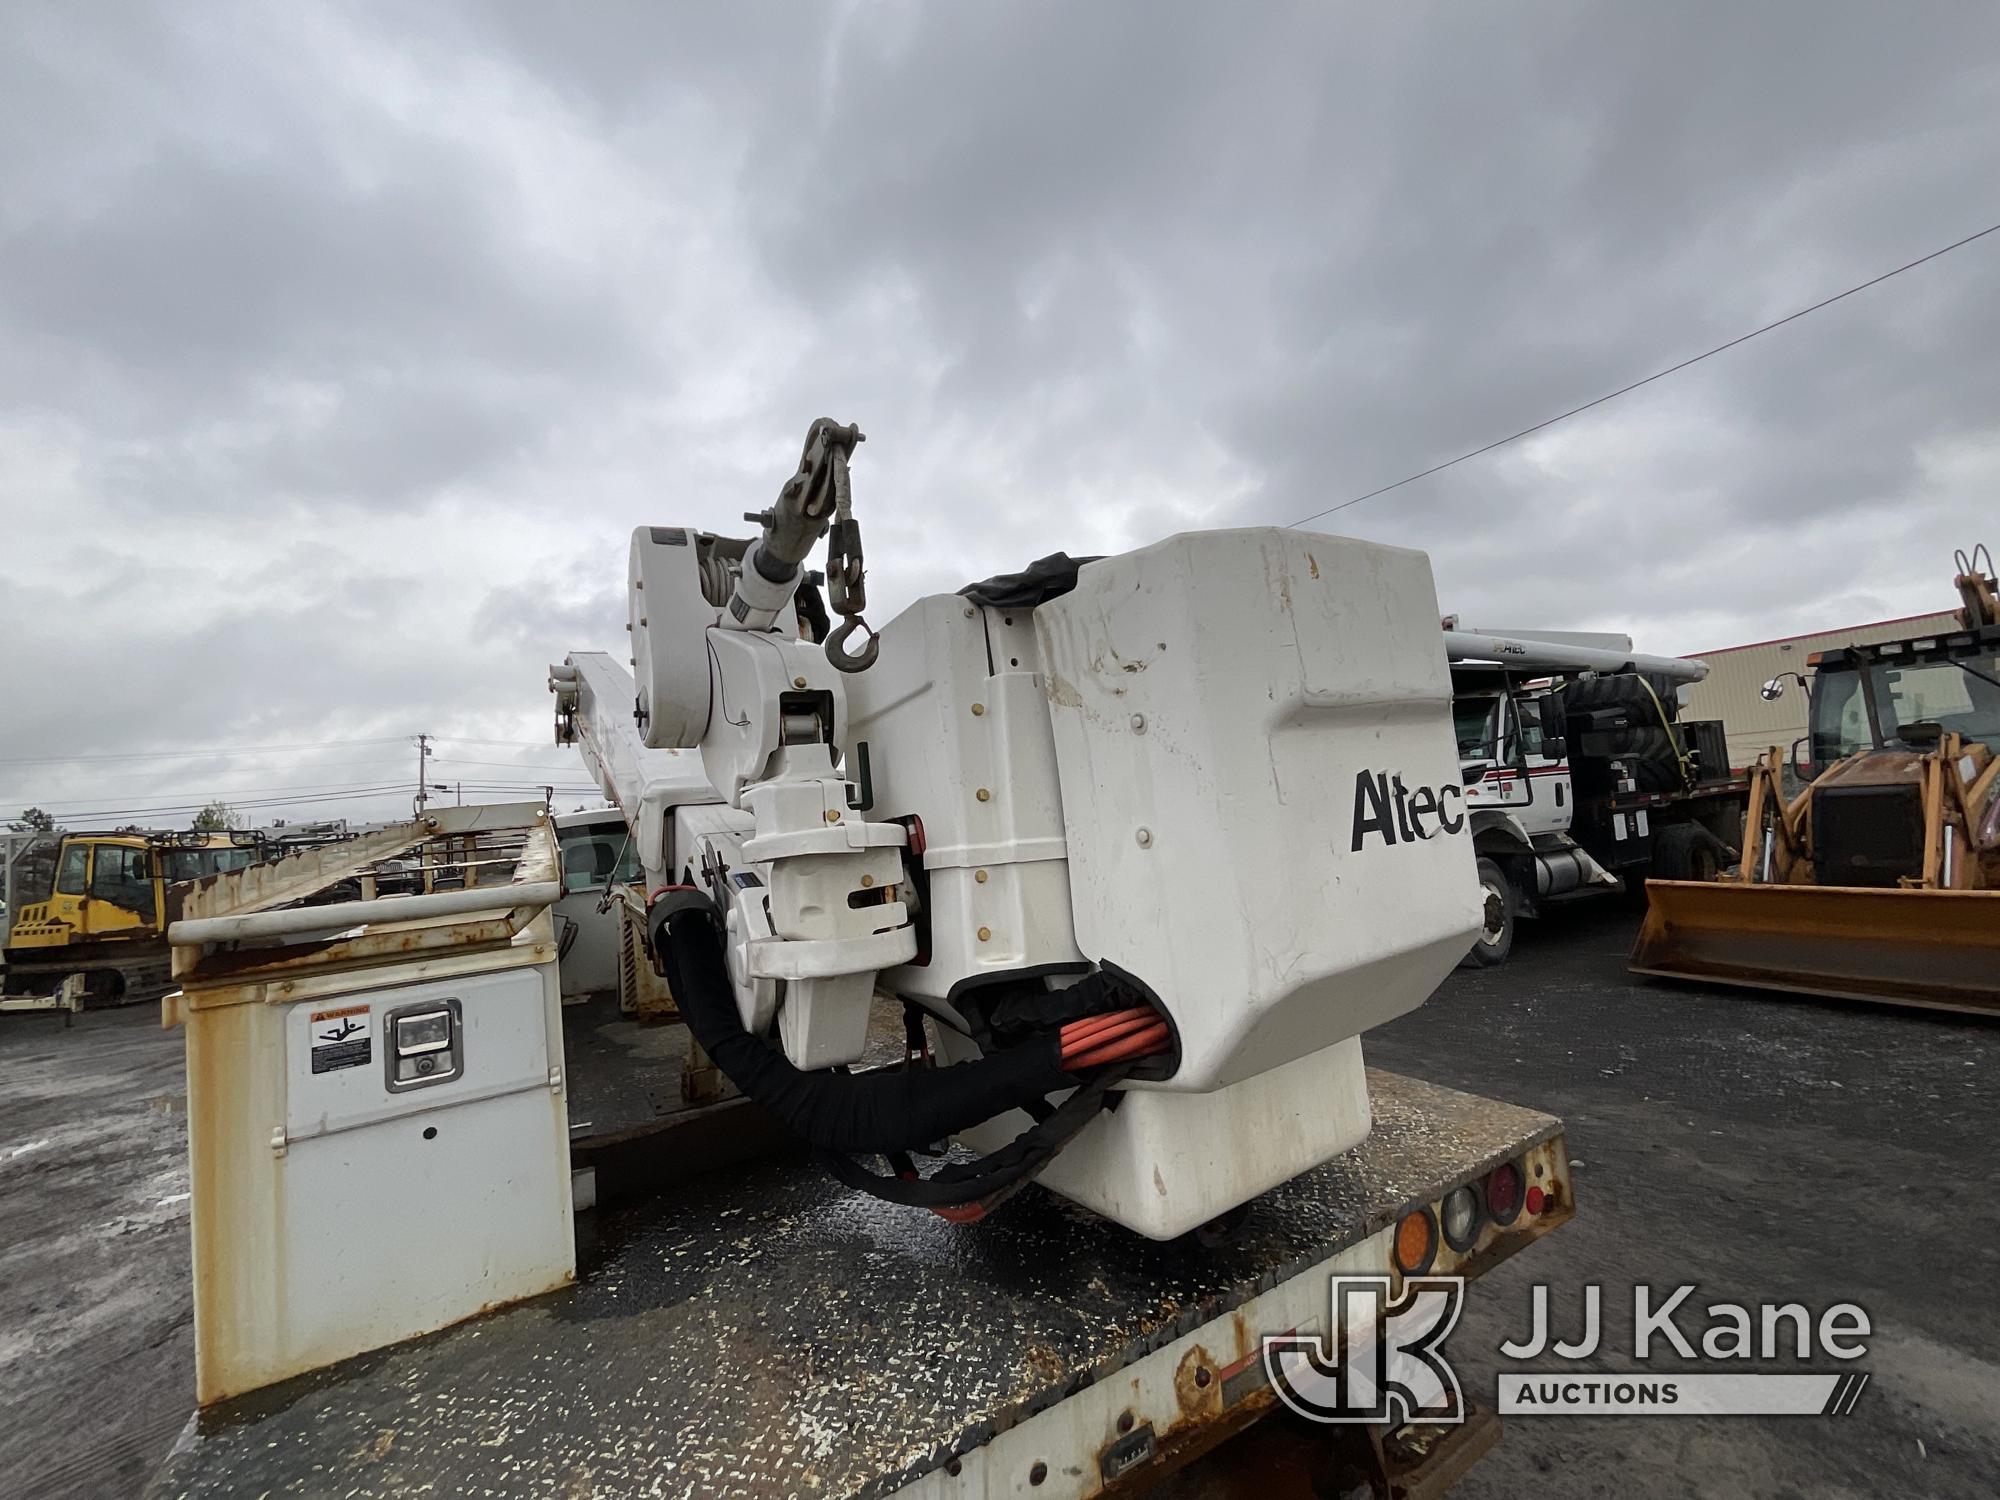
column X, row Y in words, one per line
column 1729, row 692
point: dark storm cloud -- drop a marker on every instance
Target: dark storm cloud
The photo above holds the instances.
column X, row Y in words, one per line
column 1371, row 239
column 383, row 326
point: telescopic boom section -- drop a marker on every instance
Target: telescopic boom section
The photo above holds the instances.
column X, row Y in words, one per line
column 1560, row 656
column 593, row 712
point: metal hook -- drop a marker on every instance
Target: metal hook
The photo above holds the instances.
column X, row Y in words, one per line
column 836, row 644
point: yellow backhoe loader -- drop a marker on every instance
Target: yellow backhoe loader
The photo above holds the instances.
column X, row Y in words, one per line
column 1880, row 880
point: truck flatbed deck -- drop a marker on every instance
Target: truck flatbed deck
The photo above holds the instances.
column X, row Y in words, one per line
column 765, row 1331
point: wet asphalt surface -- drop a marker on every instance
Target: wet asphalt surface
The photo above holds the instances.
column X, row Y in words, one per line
column 1762, row 1147
column 1766, row 1148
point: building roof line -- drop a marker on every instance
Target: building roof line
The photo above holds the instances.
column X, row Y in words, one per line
column 1806, row 635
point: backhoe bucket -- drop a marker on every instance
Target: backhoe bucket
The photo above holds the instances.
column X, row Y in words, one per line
column 1939, row 949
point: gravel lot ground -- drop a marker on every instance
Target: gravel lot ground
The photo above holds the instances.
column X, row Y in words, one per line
column 1765, row 1148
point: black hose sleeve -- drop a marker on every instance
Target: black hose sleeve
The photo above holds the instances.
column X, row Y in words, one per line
column 1013, row 1014
column 903, row 1110
column 988, row 1178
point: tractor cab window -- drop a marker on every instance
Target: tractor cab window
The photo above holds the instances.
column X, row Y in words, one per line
column 70, row 873
column 1942, row 694
column 122, row 877
column 194, row 864
column 1933, row 692
column 1839, row 716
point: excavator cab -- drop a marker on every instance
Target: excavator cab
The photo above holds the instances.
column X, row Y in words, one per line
column 1881, row 879
column 103, row 916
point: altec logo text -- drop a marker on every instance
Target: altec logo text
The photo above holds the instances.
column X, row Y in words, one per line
column 1385, row 807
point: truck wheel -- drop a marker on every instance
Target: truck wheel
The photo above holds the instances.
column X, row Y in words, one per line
column 1496, row 940
column 1686, row 851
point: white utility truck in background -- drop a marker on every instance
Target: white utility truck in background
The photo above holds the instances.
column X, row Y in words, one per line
column 1581, row 777
column 597, row 856
column 1089, row 877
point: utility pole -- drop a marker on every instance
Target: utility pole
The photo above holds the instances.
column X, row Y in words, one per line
column 423, row 764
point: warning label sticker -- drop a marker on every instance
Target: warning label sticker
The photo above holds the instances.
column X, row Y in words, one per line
column 340, row 1038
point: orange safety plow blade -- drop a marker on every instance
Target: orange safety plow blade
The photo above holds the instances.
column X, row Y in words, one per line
column 1939, row 949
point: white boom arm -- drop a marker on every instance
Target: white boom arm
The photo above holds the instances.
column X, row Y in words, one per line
column 592, row 693
column 1557, row 656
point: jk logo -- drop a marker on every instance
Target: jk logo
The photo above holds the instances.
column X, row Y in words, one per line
column 1380, row 1361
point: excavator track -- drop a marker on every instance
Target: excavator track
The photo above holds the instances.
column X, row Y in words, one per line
column 135, row 978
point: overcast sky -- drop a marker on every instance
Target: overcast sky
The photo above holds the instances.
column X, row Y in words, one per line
column 341, row 347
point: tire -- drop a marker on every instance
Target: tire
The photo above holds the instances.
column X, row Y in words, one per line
column 1618, row 690
column 1491, row 947
column 1648, row 747
column 1686, row 851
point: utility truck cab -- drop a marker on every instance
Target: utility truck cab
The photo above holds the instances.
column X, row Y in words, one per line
column 1580, row 778
column 1511, row 750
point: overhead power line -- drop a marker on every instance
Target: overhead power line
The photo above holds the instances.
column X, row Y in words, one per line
column 77, row 817
column 211, row 750
column 248, row 796
column 1624, row 390
column 502, row 765
column 213, row 793
column 459, row 739
column 226, row 751
column 259, row 804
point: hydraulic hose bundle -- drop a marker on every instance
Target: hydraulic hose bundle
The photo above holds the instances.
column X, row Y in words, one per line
column 893, row 1113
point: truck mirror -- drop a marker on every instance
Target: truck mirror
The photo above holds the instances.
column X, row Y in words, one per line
column 1474, row 772
column 1773, row 690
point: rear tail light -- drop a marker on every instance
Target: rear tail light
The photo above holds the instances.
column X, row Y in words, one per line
column 1416, row 1242
column 1504, row 1185
column 1459, row 1217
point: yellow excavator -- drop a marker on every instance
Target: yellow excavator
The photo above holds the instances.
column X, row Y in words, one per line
column 103, row 922
column 1880, row 880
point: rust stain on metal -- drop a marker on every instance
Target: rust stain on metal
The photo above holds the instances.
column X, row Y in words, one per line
column 1183, row 1443
column 1046, row 1363
column 1197, row 1390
